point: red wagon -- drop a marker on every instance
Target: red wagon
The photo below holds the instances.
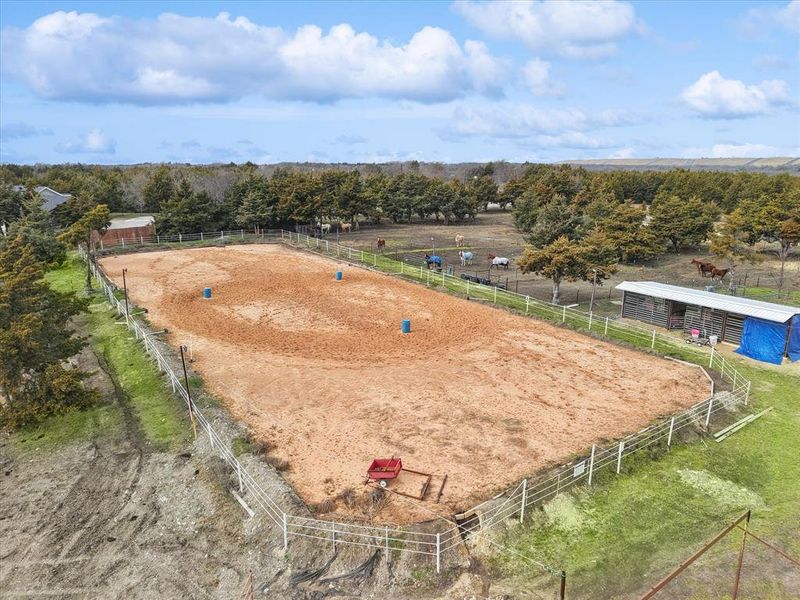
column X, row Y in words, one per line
column 383, row 469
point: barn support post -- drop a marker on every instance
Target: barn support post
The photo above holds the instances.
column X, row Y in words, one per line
column 671, row 429
column 591, row 464
column 438, row 552
column 708, row 414
column 285, row 532
column 619, row 456
column 524, row 500
column 527, row 302
column 605, row 331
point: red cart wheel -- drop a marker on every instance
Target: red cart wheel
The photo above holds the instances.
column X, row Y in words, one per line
column 384, row 483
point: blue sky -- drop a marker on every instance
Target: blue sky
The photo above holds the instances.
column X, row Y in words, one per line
column 201, row 82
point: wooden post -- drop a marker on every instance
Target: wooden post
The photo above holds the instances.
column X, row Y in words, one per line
column 386, row 534
column 590, row 320
column 591, row 464
column 671, row 429
column 605, row 332
column 564, row 314
column 741, row 558
column 653, row 343
column 708, row 414
column 619, row 456
column 333, row 535
column 711, row 360
column 563, row 589
column 239, row 473
column 495, row 294
column 527, row 302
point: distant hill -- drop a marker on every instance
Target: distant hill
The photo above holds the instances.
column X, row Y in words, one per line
column 761, row 165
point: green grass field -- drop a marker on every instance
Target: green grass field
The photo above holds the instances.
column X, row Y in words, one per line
column 633, row 528
column 160, row 415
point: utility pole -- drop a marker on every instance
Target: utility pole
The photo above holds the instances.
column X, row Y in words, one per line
column 188, row 391
column 125, row 287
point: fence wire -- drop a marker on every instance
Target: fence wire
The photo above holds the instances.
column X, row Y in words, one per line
column 513, row 504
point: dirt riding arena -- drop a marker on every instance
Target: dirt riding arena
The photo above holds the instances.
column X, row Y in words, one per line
column 320, row 370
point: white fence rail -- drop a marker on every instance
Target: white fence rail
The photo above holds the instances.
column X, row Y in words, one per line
column 514, row 503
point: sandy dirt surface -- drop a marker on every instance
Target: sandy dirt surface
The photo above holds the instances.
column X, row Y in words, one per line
column 320, row 369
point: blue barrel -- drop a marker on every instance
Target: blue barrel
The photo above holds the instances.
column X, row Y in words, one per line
column 338, row 275
column 207, row 293
column 406, row 328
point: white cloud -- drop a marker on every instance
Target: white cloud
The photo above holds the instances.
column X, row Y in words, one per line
column 736, row 150
column 504, row 120
column 716, row 97
column 94, row 142
column 757, row 22
column 176, row 59
column 536, row 77
column 19, row 130
column 579, row 29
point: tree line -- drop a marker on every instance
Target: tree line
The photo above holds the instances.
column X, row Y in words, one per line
column 577, row 228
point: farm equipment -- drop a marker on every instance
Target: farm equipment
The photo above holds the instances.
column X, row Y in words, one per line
column 381, row 470
column 696, row 338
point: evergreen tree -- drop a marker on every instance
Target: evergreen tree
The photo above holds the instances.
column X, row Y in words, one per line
column 159, row 189
column 682, row 222
column 84, row 231
column 34, row 341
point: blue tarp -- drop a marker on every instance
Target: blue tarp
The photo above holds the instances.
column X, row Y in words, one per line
column 763, row 340
column 794, row 339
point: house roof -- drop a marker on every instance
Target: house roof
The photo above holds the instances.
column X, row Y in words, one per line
column 777, row 313
column 122, row 223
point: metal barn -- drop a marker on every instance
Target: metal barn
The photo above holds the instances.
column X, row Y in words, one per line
column 674, row 307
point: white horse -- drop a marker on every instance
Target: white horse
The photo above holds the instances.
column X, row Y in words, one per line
column 498, row 261
column 459, row 240
column 325, row 228
column 466, row 257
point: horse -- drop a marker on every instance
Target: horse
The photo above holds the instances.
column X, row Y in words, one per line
column 459, row 240
column 703, row 266
column 466, row 257
column 498, row 261
column 381, row 244
column 346, row 227
column 715, row 272
column 325, row 228
column 433, row 260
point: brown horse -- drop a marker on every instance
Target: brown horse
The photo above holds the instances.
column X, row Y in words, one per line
column 381, row 244
column 715, row 272
column 703, row 266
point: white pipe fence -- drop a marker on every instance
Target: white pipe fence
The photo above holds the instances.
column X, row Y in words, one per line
column 514, row 503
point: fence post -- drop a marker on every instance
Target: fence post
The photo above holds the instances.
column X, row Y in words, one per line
column 241, row 233
column 333, row 535
column 123, row 241
column 619, row 456
column 653, row 343
column 708, row 414
column 590, row 320
column 495, row 294
column 141, row 239
column 101, row 243
column 402, row 266
column 285, row 533
column 747, row 393
column 722, row 368
column 564, row 314
column 438, row 552
column 524, row 499
column 239, row 473
column 327, row 247
column 158, row 238
column 591, row 464
column 210, row 436
column 605, row 331
column 201, row 236
column 671, row 429
column 467, row 287
column 527, row 302
column 711, row 360
column 386, row 534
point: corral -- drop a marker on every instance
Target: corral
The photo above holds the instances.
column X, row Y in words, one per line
column 319, row 369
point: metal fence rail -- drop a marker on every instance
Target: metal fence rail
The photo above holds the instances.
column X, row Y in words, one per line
column 514, row 503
